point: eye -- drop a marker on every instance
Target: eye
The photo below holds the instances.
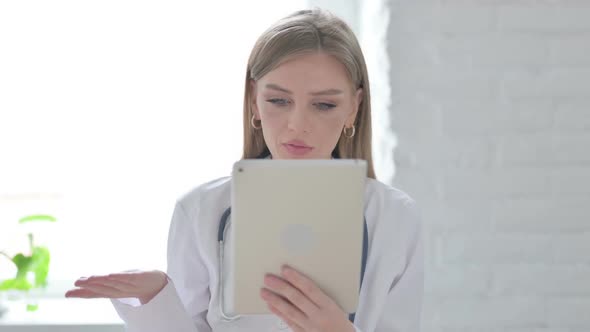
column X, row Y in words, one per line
column 278, row 101
column 324, row 106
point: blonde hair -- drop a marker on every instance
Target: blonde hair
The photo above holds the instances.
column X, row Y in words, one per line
column 305, row 31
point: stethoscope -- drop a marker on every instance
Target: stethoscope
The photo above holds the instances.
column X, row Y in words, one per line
column 220, row 238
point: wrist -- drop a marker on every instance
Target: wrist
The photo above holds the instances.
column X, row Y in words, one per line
column 148, row 297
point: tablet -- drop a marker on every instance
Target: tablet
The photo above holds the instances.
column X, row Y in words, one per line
column 307, row 214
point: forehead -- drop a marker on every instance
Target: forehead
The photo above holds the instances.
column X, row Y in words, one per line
column 310, row 71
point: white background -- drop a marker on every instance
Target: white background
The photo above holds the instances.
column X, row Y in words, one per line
column 109, row 111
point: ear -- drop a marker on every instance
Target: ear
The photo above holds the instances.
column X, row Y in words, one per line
column 253, row 99
column 357, row 100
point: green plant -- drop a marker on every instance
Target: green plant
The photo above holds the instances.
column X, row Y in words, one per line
column 36, row 263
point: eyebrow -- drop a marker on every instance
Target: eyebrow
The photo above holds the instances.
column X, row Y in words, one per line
column 318, row 93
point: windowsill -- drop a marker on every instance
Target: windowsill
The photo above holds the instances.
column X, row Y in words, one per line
column 61, row 314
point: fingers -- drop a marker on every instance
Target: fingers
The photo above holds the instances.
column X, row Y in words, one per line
column 96, row 291
column 103, row 286
column 128, row 277
column 302, row 304
column 307, row 286
column 294, row 326
column 110, row 280
column 285, row 310
column 83, row 280
column 107, row 291
column 114, row 284
column 291, row 293
column 82, row 293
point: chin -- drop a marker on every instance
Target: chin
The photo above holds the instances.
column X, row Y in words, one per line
column 283, row 153
column 302, row 157
column 279, row 157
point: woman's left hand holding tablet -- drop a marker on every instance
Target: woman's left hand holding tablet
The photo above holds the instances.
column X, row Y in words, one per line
column 302, row 305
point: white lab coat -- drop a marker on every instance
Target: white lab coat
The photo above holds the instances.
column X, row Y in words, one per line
column 390, row 296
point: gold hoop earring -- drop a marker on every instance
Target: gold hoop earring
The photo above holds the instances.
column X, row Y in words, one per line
column 351, row 134
column 252, row 123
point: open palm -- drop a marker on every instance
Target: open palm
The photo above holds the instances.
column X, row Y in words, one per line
column 143, row 285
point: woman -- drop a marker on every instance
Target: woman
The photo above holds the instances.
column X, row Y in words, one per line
column 306, row 96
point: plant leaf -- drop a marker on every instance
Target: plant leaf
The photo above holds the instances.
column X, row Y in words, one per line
column 40, row 265
column 37, row 217
column 22, row 263
column 16, row 283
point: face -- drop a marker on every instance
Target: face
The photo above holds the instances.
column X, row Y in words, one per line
column 303, row 106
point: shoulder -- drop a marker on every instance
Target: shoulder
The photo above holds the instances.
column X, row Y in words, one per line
column 216, row 191
column 393, row 209
column 386, row 194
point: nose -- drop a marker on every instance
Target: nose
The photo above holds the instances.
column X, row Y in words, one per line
column 299, row 120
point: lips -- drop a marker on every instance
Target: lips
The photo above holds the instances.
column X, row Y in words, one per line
column 297, row 147
column 298, row 143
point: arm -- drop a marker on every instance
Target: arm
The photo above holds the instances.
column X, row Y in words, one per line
column 182, row 304
column 403, row 304
column 404, row 301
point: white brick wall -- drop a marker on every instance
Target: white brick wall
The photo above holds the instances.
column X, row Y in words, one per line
column 491, row 107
